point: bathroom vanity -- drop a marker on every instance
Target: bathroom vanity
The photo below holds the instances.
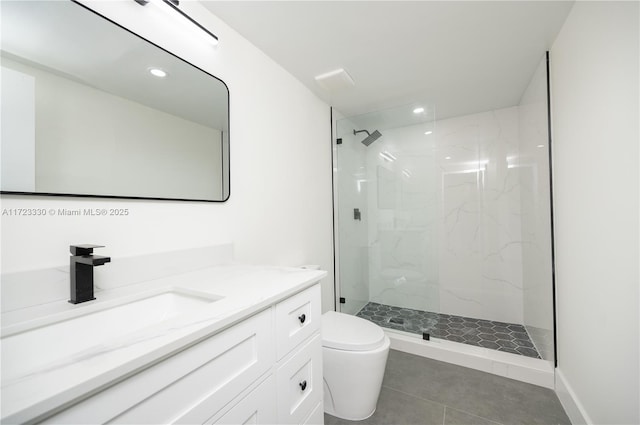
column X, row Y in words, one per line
column 222, row 344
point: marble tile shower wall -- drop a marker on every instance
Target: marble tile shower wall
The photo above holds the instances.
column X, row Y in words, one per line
column 444, row 218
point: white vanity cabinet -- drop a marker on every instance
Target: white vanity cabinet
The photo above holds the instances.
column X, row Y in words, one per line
column 265, row 369
column 299, row 351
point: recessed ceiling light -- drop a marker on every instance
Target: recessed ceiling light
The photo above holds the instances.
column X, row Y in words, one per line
column 418, row 110
column 447, row 157
column 540, row 146
column 428, row 132
column 157, row 72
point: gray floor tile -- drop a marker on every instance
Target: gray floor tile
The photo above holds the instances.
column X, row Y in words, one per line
column 457, row 417
column 332, row 420
column 478, row 393
column 395, row 407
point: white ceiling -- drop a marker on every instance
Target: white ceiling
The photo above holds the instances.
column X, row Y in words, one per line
column 461, row 56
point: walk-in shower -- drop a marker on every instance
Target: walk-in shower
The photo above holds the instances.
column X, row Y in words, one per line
column 452, row 238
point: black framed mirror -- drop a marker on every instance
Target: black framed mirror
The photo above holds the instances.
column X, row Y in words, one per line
column 89, row 108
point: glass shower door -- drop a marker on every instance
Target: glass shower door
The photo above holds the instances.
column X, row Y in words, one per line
column 388, row 260
column 352, row 216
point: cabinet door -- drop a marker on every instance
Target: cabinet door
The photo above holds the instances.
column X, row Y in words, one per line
column 316, row 417
column 189, row 387
column 258, row 407
column 299, row 382
column 297, row 318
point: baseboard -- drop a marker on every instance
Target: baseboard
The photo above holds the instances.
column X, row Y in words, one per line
column 570, row 402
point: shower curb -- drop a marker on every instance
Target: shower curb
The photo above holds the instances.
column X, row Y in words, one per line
column 524, row 369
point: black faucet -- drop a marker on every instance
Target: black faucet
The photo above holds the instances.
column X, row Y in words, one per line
column 81, row 267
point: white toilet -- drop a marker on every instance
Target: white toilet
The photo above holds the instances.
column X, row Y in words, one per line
column 354, row 354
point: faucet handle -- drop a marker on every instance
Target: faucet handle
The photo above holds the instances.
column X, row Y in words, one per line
column 84, row 249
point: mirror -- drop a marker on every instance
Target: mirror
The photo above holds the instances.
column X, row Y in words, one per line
column 82, row 114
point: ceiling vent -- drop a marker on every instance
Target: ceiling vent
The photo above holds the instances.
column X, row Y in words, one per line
column 336, row 80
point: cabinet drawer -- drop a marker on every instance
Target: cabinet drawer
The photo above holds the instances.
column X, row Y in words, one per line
column 189, row 387
column 258, row 407
column 297, row 318
column 299, row 382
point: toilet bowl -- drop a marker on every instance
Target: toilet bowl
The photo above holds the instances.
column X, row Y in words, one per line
column 354, row 354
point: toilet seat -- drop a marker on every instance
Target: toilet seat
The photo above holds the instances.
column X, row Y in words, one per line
column 345, row 332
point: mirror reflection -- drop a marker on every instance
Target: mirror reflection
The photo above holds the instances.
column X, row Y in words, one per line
column 91, row 109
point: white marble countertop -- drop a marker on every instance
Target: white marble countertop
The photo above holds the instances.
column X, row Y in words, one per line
column 245, row 290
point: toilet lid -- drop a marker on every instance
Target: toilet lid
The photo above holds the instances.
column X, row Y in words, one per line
column 345, row 332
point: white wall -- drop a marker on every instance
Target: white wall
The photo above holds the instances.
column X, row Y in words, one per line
column 280, row 207
column 595, row 92
column 18, row 131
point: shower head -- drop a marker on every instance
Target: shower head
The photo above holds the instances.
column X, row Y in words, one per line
column 371, row 137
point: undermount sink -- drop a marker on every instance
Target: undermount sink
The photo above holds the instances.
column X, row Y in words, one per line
column 41, row 344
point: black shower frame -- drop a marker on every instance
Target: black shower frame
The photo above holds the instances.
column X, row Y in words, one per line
column 553, row 239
